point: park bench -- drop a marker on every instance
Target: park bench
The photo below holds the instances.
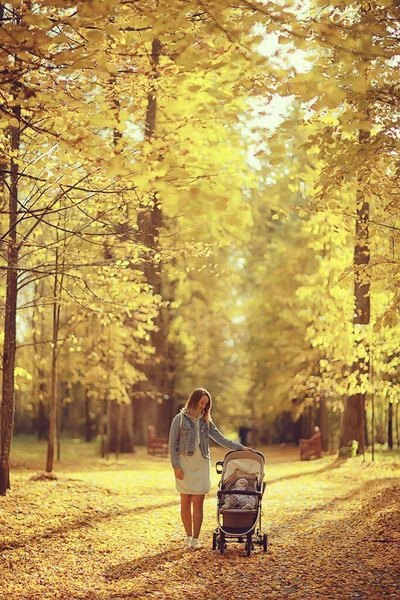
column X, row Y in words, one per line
column 311, row 448
column 156, row 445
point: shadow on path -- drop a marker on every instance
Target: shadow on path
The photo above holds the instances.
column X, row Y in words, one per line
column 335, row 465
column 85, row 521
column 144, row 564
column 307, row 513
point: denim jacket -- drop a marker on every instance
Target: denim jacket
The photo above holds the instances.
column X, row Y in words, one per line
column 182, row 438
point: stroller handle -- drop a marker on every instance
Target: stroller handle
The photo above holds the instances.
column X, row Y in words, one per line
column 219, row 466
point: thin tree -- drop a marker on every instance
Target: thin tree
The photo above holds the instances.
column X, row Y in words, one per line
column 57, row 291
column 9, row 348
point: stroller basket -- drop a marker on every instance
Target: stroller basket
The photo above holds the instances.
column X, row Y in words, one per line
column 237, row 520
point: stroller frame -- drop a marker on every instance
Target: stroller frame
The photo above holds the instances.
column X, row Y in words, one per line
column 240, row 525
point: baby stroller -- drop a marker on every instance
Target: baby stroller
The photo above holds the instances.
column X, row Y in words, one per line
column 240, row 524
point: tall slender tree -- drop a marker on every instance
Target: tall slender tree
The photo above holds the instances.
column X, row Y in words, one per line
column 12, row 250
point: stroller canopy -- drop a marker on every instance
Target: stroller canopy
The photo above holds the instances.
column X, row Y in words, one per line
column 242, row 463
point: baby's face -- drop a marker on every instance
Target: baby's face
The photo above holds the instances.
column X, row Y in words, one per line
column 241, row 485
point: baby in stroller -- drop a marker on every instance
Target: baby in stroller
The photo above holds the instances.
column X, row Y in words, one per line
column 240, row 500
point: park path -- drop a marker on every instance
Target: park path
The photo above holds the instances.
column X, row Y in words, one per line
column 111, row 531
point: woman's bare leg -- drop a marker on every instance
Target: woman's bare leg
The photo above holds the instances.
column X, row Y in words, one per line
column 197, row 514
column 186, row 513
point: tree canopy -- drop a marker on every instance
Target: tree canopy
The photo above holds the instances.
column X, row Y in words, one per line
column 198, row 193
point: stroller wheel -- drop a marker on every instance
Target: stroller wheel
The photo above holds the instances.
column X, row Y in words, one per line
column 265, row 542
column 249, row 544
column 214, row 541
column 222, row 543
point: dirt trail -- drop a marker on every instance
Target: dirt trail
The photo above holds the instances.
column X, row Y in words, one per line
column 101, row 534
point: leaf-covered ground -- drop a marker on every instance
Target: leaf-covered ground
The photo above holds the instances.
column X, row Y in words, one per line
column 111, row 530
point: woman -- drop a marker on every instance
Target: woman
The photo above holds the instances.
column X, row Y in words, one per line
column 190, row 458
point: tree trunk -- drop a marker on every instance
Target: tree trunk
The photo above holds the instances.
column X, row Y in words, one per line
column 108, row 426
column 39, row 390
column 9, row 347
column 43, row 420
column 120, row 433
column 166, row 407
column 323, row 423
column 53, row 410
column 311, row 421
column 88, row 421
column 103, row 433
column 144, row 414
column 366, row 436
column 53, row 384
column 59, row 413
column 353, row 424
column 150, row 395
column 390, row 425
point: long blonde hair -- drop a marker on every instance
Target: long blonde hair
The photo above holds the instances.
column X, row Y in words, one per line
column 193, row 402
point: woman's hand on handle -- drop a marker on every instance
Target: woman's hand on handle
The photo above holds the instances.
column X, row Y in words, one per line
column 178, row 473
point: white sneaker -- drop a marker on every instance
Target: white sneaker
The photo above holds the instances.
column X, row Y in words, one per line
column 196, row 543
column 188, row 541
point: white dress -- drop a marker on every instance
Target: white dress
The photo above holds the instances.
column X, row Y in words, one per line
column 196, row 468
